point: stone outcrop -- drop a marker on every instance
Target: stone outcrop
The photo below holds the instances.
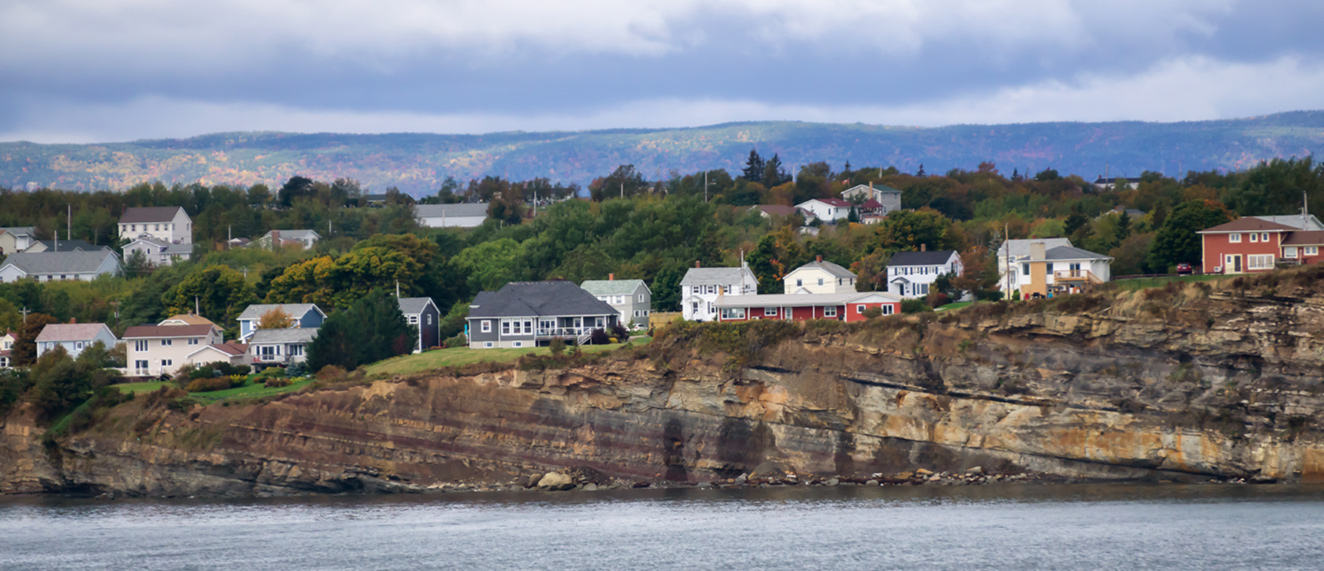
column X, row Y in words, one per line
column 1192, row 383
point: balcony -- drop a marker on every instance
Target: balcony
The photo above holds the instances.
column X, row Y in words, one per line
column 1076, row 276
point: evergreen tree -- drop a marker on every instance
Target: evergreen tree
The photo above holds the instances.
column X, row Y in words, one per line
column 371, row 329
column 753, row 167
column 774, row 174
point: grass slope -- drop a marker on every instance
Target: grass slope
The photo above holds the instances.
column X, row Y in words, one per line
column 460, row 356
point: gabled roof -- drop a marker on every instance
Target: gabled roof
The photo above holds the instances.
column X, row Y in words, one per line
column 270, row 336
column 166, row 247
column 714, row 276
column 805, row 299
column 58, row 332
column 149, row 214
column 775, row 209
column 829, row 267
column 612, row 287
column 871, row 204
column 829, row 201
column 876, row 187
column 459, row 209
column 1307, row 222
column 20, row 230
column 523, row 299
column 68, row 246
column 1021, row 248
column 934, row 258
column 299, row 234
column 187, row 319
column 80, row 262
column 295, row 310
column 232, row 349
column 1305, row 237
column 1248, row 224
column 414, row 305
column 1071, row 253
column 164, row 331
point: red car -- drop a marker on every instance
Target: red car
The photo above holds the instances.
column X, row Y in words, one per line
column 1183, row 269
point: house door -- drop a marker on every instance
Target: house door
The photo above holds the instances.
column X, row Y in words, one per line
column 579, row 324
column 1233, row 262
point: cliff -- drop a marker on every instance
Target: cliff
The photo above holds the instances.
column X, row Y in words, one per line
column 1195, row 382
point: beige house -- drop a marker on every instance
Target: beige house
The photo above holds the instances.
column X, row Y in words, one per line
column 155, row 350
column 234, row 353
column 166, row 223
column 15, row 240
column 819, row 277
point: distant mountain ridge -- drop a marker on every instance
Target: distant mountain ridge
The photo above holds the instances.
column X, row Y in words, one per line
column 418, row 163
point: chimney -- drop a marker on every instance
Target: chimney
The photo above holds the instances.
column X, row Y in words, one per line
column 923, row 247
column 818, row 258
column 73, row 320
column 1037, row 252
column 696, row 263
column 275, row 239
column 611, row 277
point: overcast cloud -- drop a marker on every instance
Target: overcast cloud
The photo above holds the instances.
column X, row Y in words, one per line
column 111, row 70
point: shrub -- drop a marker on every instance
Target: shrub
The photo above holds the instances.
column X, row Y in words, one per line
column 297, row 370
column 272, row 373
column 619, row 332
column 557, row 346
column 914, row 306
column 275, row 382
column 988, row 295
column 331, row 373
column 208, row 384
column 873, row 312
column 599, row 337
column 457, row 341
column 937, row 299
column 201, row 373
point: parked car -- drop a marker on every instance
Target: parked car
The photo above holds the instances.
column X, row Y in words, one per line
column 1183, row 269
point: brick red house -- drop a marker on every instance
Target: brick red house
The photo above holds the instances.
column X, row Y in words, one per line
column 800, row 307
column 1261, row 243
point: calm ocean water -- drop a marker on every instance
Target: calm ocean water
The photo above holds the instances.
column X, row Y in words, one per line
column 993, row 527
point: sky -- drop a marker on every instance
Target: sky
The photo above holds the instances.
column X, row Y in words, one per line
column 81, row 71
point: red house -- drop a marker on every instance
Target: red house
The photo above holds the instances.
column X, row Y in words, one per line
column 1261, row 243
column 840, row 306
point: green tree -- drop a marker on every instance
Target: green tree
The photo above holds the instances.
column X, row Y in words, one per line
column 25, row 343
column 1177, row 240
column 371, row 329
column 907, row 230
column 490, row 265
column 753, row 171
column 219, row 293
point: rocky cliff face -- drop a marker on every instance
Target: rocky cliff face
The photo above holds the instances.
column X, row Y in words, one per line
column 1191, row 383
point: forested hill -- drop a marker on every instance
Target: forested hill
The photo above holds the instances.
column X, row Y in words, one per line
column 418, row 163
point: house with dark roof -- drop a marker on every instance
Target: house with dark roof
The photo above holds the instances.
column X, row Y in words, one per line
column 1047, row 272
column 425, row 318
column 701, row 287
column 166, row 223
column 74, row 337
column 280, row 347
column 819, row 276
column 827, row 209
column 886, row 198
column 51, row 266
column 156, row 350
column 305, row 316
column 529, row 314
column 458, row 215
column 912, row 274
column 631, row 298
column 1012, row 252
column 17, row 239
column 1261, row 243
column 157, row 252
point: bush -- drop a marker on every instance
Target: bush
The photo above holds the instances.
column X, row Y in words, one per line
column 873, row 312
column 599, row 337
column 208, row 384
column 272, row 373
column 276, row 382
column 297, row 370
column 988, row 295
column 619, row 332
column 937, row 299
column 457, row 341
column 914, row 306
column 331, row 373
column 557, row 346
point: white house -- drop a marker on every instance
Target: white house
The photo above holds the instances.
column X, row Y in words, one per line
column 232, row 352
column 819, row 277
column 305, row 238
column 305, row 315
column 631, row 298
column 155, row 350
column 157, row 252
column 459, row 215
column 280, row 347
column 826, row 209
column 50, row 266
column 1060, row 270
column 166, row 223
column 911, row 274
column 74, row 337
column 1012, row 252
column 701, row 287
column 888, row 198
column 6, row 348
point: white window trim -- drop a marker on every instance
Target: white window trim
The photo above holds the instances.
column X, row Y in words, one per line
column 830, row 311
column 1312, row 250
column 1234, row 238
column 486, row 325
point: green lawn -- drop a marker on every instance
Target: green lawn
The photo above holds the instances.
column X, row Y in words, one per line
column 957, row 305
column 139, row 388
column 1145, row 283
column 246, row 391
column 460, row 356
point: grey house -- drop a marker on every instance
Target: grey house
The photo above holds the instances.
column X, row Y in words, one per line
column 528, row 314
column 631, row 298
column 305, row 316
column 424, row 316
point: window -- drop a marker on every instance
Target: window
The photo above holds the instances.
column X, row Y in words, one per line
column 486, row 326
column 78, row 345
column 1264, row 237
column 295, row 350
column 429, row 319
column 413, row 319
column 1025, row 269
column 528, row 326
column 599, row 323
column 733, row 313
column 799, row 283
column 641, row 298
column 769, row 311
column 887, row 309
column 193, row 341
column 1234, row 238
column 167, row 363
column 820, row 281
column 1048, row 267
column 1312, row 250
column 140, row 365
column 1254, row 237
column 1259, row 262
column 487, row 345
column 519, row 343
column 1289, row 252
column 140, row 345
column 859, row 309
column 167, row 342
column 505, row 328
column 922, row 289
column 830, row 311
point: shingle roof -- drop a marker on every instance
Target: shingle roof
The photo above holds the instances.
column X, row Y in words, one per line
column 519, row 299
column 1307, row 222
column 188, row 319
column 1248, row 224
column 612, row 287
column 934, row 258
column 69, row 246
column 776, row 209
column 1070, row 253
column 141, row 214
column 20, row 230
column 713, row 276
column 160, row 331
column 1021, row 248
column 1309, row 238
column 71, row 331
column 462, row 209
column 232, row 349
column 166, row 247
column 295, row 310
column 876, row 188
column 413, row 305
column 80, row 262
column 301, row 335
column 828, row 267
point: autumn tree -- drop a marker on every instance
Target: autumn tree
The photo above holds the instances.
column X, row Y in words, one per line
column 275, row 319
column 777, row 253
column 25, row 343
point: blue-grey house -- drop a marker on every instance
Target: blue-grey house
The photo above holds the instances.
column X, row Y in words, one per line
column 529, row 314
column 305, row 316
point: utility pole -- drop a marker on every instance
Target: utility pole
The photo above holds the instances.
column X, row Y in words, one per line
column 622, row 190
column 69, row 235
column 25, row 315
